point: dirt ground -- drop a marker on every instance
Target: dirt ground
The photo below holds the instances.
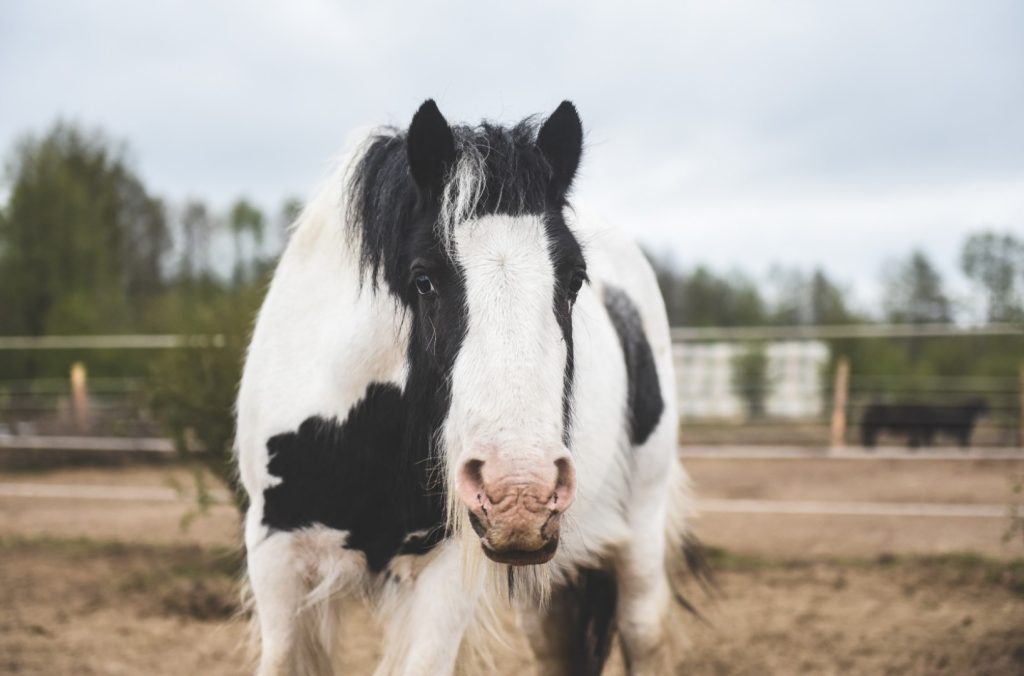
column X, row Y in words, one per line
column 114, row 587
column 886, row 481
column 82, row 607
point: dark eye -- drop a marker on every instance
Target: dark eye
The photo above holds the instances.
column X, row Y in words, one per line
column 575, row 284
column 423, row 284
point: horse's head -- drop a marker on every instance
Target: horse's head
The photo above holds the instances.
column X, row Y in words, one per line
column 489, row 273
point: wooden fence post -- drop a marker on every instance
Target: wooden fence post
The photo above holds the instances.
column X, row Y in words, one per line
column 79, row 397
column 840, row 390
column 1020, row 418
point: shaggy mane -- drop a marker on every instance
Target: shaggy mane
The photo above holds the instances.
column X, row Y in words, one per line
column 498, row 170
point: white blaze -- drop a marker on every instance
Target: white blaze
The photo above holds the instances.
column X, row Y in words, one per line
column 508, row 378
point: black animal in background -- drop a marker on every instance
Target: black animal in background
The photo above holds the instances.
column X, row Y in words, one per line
column 921, row 423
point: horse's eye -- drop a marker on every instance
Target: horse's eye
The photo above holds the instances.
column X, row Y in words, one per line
column 575, row 284
column 423, row 284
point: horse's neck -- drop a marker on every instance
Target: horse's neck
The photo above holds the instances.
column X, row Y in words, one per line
column 330, row 332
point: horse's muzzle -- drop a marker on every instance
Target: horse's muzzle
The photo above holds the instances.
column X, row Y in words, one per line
column 514, row 549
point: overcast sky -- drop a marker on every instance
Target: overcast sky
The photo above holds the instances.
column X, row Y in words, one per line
column 739, row 134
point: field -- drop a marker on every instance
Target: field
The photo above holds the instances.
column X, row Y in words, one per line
column 105, row 586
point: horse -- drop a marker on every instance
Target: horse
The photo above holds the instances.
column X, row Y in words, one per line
column 459, row 398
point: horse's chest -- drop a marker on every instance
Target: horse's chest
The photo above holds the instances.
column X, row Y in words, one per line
column 357, row 476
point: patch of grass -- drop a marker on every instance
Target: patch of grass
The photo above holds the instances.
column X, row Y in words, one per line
column 65, row 545
column 723, row 559
column 156, row 566
column 183, row 580
column 183, row 561
column 955, row 568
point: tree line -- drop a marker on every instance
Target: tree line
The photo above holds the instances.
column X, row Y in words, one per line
column 86, row 247
column 914, row 291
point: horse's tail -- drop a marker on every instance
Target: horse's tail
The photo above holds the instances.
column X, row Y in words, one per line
column 686, row 554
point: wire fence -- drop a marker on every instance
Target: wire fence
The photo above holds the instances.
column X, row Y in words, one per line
column 49, row 406
column 795, row 399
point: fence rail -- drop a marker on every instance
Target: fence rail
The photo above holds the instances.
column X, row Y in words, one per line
column 679, row 334
column 109, row 342
column 810, row 405
column 830, row 332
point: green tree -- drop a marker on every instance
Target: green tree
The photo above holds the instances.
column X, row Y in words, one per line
column 196, row 228
column 82, row 242
column 995, row 263
column 192, row 390
column 246, row 220
column 914, row 292
column 808, row 298
column 703, row 298
column 750, row 379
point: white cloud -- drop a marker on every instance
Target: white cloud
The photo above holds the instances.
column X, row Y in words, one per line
column 740, row 133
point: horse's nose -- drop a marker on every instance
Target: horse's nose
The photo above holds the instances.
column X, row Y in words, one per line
column 516, row 500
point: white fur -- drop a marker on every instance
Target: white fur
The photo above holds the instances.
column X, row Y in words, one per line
column 322, row 337
column 508, row 377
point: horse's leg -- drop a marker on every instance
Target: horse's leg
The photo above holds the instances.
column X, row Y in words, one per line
column 427, row 616
column 644, row 599
column 277, row 590
column 573, row 633
column 298, row 579
column 549, row 634
column 645, row 594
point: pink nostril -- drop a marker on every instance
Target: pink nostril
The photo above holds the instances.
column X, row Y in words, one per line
column 565, row 485
column 470, row 483
column 507, row 487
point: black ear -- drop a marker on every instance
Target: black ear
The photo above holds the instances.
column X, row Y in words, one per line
column 561, row 140
column 431, row 149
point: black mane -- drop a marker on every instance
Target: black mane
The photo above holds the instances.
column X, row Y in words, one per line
column 498, row 170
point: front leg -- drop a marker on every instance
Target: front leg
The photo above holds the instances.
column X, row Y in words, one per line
column 572, row 634
column 276, row 584
column 426, row 613
column 298, row 580
column 644, row 600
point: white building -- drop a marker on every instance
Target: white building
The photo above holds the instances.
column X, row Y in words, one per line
column 705, row 382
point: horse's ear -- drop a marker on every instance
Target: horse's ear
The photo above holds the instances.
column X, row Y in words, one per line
column 431, row 149
column 561, row 140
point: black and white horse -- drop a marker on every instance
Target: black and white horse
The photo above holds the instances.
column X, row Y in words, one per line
column 459, row 395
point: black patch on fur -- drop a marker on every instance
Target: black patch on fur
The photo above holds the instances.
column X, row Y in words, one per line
column 359, row 476
column 568, row 262
column 644, row 404
column 586, row 607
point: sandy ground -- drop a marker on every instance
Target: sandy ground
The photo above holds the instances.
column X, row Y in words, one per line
column 777, row 536
column 109, row 587
column 86, row 608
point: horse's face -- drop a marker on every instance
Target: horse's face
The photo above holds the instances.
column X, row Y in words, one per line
column 492, row 294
